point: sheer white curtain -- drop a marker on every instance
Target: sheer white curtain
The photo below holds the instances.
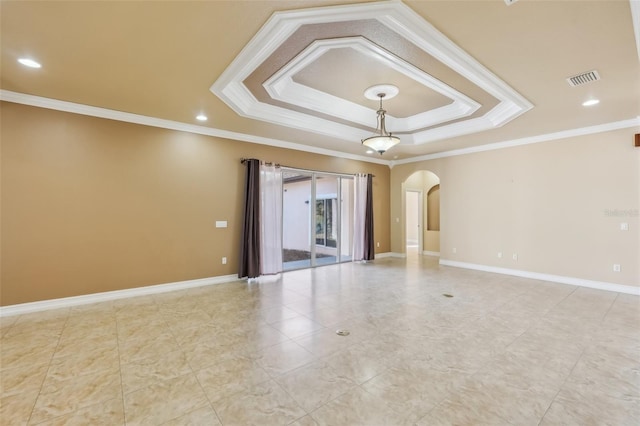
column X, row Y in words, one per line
column 270, row 219
column 359, row 211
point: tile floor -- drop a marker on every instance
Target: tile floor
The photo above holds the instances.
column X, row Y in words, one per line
column 501, row 351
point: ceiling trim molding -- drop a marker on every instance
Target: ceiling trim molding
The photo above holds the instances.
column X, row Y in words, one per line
column 397, row 17
column 583, row 131
column 282, row 87
column 75, row 108
column 635, row 18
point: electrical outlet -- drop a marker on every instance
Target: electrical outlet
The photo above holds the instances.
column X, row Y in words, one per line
column 624, row 226
column 378, row 244
column 515, row 256
column 616, row 267
column 499, row 255
column 454, row 250
column 224, row 260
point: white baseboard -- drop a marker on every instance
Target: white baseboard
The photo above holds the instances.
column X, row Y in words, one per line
column 65, row 302
column 431, row 253
column 383, row 255
column 600, row 285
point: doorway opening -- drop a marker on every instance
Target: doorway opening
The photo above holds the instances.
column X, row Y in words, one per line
column 421, row 204
column 413, row 221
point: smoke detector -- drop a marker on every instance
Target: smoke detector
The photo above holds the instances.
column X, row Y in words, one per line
column 584, row 78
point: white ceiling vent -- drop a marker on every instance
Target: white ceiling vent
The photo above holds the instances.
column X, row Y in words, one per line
column 584, row 78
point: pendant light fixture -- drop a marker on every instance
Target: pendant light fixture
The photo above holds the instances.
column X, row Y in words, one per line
column 382, row 140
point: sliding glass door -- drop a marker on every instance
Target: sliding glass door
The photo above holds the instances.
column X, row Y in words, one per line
column 317, row 218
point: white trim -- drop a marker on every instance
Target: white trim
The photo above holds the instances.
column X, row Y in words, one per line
column 635, row 19
column 431, row 253
column 38, row 101
column 390, row 254
column 385, row 255
column 282, row 87
column 397, row 17
column 600, row 128
column 600, row 285
column 66, row 302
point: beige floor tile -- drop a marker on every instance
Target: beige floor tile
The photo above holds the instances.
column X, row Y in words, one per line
column 277, row 314
column 87, row 361
column 23, row 354
column 105, row 413
column 204, row 416
column 257, row 337
column 414, row 390
column 139, row 328
column 164, row 401
column 357, row 407
column 573, row 407
column 230, row 377
column 57, row 399
column 358, row 363
column 327, row 385
column 203, row 355
column 326, row 342
column 16, row 409
column 132, row 350
column 305, row 421
column 22, row 379
column 501, row 351
column 205, row 333
column 264, row 404
column 73, row 346
column 284, row 357
column 145, row 372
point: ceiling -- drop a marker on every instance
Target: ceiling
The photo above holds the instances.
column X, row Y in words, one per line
column 293, row 73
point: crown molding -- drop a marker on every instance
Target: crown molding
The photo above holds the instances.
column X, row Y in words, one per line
column 583, row 131
column 38, row 101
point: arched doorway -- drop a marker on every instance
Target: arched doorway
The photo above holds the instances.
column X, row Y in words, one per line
column 421, row 206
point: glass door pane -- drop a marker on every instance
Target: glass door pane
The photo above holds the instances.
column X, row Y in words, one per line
column 296, row 215
column 317, row 219
column 326, row 219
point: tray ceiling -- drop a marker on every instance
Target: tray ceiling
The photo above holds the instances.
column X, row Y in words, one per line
column 293, row 73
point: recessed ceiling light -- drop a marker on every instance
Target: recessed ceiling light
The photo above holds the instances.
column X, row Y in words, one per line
column 369, row 151
column 591, row 102
column 201, row 117
column 29, row 63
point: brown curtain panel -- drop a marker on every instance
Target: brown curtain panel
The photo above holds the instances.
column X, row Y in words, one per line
column 250, row 239
column 369, row 245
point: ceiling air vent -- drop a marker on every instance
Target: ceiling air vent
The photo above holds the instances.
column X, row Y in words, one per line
column 584, row 78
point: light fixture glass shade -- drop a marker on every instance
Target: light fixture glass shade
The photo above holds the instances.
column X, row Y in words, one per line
column 383, row 140
column 381, row 143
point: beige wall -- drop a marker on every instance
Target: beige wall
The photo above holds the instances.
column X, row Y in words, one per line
column 557, row 204
column 92, row 205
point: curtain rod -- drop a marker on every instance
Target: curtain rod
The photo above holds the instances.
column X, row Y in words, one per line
column 244, row 160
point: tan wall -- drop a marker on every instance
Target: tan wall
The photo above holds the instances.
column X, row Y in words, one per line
column 557, row 204
column 92, row 205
